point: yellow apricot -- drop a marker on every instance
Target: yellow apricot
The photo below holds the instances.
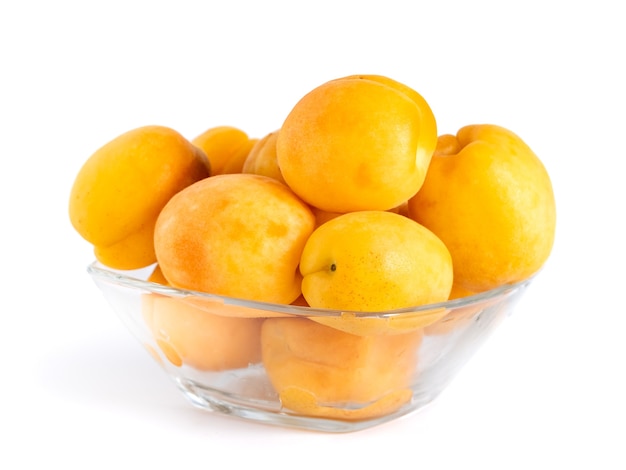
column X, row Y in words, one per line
column 120, row 190
column 134, row 251
column 490, row 200
column 337, row 371
column 226, row 147
column 191, row 336
column 374, row 261
column 237, row 235
column 356, row 144
column 262, row 158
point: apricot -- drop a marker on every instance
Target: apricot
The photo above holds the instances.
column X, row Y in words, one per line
column 197, row 334
column 322, row 371
column 489, row 198
column 237, row 235
column 374, row 261
column 120, row 190
column 356, row 144
column 262, row 158
column 191, row 336
column 226, row 147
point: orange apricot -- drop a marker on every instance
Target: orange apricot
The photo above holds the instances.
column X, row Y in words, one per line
column 489, row 198
column 226, row 147
column 120, row 190
column 428, row 124
column 322, row 371
column 356, row 144
column 237, row 235
column 187, row 335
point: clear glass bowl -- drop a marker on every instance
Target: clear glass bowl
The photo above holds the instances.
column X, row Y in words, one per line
column 296, row 366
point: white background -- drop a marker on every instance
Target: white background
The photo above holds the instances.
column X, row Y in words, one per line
column 547, row 391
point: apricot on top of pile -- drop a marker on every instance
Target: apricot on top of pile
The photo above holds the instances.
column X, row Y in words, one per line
column 357, row 143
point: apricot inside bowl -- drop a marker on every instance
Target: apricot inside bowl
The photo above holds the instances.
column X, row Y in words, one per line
column 295, row 366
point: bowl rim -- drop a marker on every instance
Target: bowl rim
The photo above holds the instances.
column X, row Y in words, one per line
column 131, row 279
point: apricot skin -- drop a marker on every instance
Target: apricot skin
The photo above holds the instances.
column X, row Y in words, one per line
column 337, row 368
column 355, row 144
column 490, row 199
column 374, row 261
column 120, row 190
column 427, row 123
column 237, row 235
column 193, row 337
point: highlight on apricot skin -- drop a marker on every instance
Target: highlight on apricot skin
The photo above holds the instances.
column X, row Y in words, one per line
column 356, row 144
column 490, row 200
column 226, row 147
column 322, row 371
column 428, row 124
column 237, row 235
column 121, row 188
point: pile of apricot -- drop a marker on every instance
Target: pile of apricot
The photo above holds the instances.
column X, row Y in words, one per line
column 354, row 204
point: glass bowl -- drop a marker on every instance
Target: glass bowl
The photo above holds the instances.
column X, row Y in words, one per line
column 301, row 367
